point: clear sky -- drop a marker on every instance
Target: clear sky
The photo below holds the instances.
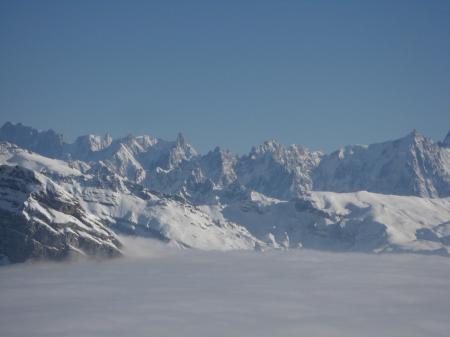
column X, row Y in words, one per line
column 231, row 73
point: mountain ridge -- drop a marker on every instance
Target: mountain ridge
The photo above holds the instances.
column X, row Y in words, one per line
column 392, row 196
column 421, row 166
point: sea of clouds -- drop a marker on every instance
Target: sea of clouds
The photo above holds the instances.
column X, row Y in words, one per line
column 156, row 291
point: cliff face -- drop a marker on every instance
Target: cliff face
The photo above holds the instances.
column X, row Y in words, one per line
column 39, row 220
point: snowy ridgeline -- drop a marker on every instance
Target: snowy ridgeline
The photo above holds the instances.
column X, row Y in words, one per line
column 60, row 200
column 295, row 293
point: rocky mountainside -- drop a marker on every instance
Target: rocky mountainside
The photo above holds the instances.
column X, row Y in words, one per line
column 48, row 143
column 412, row 165
column 38, row 219
column 277, row 171
column 391, row 196
column 52, row 209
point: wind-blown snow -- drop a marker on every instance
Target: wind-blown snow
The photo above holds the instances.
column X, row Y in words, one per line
column 192, row 293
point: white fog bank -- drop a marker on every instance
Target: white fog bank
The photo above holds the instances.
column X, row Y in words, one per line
column 191, row 293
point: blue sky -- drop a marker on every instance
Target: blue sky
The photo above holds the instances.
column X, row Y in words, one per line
column 231, row 73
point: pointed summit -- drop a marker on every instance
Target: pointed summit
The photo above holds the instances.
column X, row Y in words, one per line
column 415, row 134
column 269, row 146
column 107, row 139
column 91, row 143
column 413, row 137
column 271, row 143
column 180, row 139
column 446, row 141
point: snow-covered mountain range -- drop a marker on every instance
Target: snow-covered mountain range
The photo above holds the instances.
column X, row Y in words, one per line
column 58, row 199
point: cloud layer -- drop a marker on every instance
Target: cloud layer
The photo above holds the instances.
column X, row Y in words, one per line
column 171, row 293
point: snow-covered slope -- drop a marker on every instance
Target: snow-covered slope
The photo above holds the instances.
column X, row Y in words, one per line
column 361, row 221
column 412, row 165
column 114, row 202
column 11, row 154
column 164, row 218
column 275, row 196
column 38, row 219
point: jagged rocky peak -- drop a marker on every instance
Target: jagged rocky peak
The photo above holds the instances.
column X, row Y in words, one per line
column 292, row 157
column 411, row 164
column 146, row 141
column 415, row 133
column 415, row 136
column 269, row 146
column 446, row 141
column 278, row 150
column 298, row 149
column 270, row 150
column 180, row 151
column 67, row 205
column 180, row 139
column 277, row 171
column 188, row 149
column 219, row 166
column 411, row 140
column 93, row 143
column 220, row 156
column 48, row 143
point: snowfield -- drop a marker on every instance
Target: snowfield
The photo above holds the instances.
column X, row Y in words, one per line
column 170, row 292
